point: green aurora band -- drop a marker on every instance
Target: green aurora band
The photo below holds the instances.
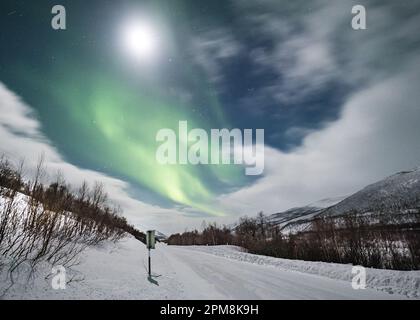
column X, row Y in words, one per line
column 122, row 122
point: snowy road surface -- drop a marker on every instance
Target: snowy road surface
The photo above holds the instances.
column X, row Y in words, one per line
column 209, row 276
column 119, row 272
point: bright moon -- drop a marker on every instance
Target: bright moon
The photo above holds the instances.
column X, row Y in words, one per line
column 140, row 40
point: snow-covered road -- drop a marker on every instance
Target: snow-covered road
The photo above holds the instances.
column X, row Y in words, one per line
column 206, row 276
column 119, row 272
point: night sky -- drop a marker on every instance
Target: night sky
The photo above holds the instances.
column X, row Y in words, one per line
column 293, row 68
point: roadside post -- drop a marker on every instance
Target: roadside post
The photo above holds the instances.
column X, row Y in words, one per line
column 150, row 242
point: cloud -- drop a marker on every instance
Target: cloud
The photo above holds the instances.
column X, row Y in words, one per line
column 314, row 47
column 377, row 135
column 213, row 48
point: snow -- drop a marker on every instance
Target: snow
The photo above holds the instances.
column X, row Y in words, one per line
column 406, row 283
column 327, row 202
column 19, row 204
column 110, row 271
column 378, row 198
column 295, row 216
column 400, row 188
column 118, row 271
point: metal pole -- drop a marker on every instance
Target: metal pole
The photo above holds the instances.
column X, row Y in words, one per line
column 150, row 270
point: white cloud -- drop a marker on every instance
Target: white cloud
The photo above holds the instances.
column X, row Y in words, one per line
column 314, row 46
column 211, row 49
column 377, row 134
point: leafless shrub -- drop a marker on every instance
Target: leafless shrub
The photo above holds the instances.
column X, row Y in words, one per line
column 51, row 224
column 350, row 238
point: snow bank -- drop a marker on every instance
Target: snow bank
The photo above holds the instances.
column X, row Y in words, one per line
column 108, row 271
column 406, row 283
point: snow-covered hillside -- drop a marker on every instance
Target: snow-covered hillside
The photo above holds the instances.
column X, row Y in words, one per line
column 37, row 235
column 160, row 236
column 385, row 197
column 306, row 212
column 387, row 194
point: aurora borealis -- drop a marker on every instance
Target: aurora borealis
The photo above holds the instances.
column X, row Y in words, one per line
column 104, row 114
column 294, row 69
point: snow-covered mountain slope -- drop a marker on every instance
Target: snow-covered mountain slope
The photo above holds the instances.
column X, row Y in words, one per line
column 401, row 190
column 397, row 195
column 302, row 213
column 160, row 236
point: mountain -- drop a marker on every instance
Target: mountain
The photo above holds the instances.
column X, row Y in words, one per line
column 302, row 213
column 390, row 194
column 394, row 199
column 160, row 236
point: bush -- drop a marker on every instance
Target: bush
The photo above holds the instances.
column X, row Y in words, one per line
column 40, row 224
column 351, row 238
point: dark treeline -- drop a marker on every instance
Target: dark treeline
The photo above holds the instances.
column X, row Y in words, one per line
column 50, row 223
column 352, row 238
column 211, row 234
